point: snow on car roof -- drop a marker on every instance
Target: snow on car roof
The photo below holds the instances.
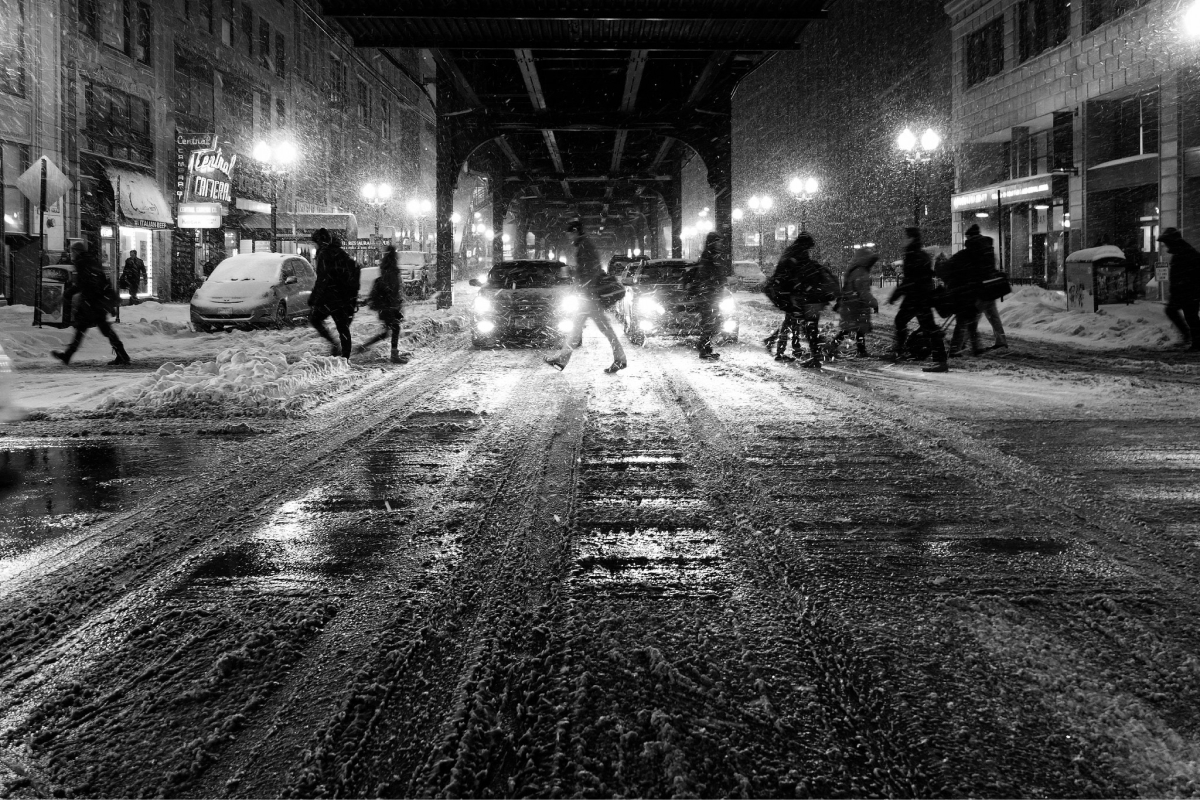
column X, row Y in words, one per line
column 260, row 258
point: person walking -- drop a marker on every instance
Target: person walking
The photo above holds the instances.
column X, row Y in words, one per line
column 915, row 290
column 1183, row 305
column 704, row 282
column 387, row 298
column 985, row 254
column 814, row 288
column 93, row 300
column 133, row 275
column 778, row 289
column 335, row 292
column 963, row 277
column 587, row 275
column 858, row 301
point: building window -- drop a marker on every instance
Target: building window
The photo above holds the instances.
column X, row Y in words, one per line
column 237, row 99
column 143, row 51
column 114, row 24
column 248, row 29
column 1101, row 12
column 264, row 44
column 200, row 12
column 1062, row 142
column 12, row 47
column 16, row 161
column 280, row 58
column 985, row 52
column 1041, row 24
column 1135, row 127
column 264, row 113
column 337, row 80
column 117, row 124
column 193, row 86
column 281, row 112
column 364, row 103
column 385, row 119
column 227, row 22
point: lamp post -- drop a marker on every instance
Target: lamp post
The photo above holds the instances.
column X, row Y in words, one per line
column 377, row 196
column 760, row 206
column 275, row 159
column 418, row 208
column 803, row 189
column 917, row 152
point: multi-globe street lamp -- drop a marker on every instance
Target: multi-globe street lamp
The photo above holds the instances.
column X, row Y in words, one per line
column 761, row 206
column 917, row 153
column 803, row 189
column 418, row 208
column 376, row 196
column 275, row 159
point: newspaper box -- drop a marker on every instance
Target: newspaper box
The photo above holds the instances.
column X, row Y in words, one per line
column 1098, row 276
column 55, row 305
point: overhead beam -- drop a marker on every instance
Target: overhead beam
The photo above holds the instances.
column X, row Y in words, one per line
column 618, row 150
column 633, row 78
column 533, row 11
column 513, row 158
column 668, row 142
column 708, row 76
column 371, row 35
column 461, row 84
column 566, row 187
column 555, row 155
column 530, row 76
column 548, row 177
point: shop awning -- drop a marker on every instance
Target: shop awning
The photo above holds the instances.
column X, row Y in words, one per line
column 343, row 224
column 140, row 203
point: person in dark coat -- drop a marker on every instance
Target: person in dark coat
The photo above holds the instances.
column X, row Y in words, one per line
column 335, row 292
column 387, row 298
column 962, row 275
column 915, row 290
column 92, row 302
column 1183, row 306
column 796, row 287
column 858, row 301
column 704, row 283
column 133, row 275
column 587, row 275
column 984, row 250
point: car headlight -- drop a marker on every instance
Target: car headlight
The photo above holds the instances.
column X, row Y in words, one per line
column 482, row 278
column 570, row 304
column 482, row 305
column 729, row 326
column 648, row 305
column 485, row 326
column 728, row 306
column 566, row 326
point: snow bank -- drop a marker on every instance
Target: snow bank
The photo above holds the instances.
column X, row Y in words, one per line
column 240, row 382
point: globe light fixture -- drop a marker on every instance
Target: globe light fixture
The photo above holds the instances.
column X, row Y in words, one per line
column 906, row 141
column 737, row 214
column 1191, row 20
column 930, row 140
column 275, row 159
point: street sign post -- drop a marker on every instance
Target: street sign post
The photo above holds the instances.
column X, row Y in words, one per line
column 42, row 183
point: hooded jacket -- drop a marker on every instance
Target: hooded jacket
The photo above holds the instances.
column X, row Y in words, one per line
column 916, row 279
column 1184, row 273
column 336, row 286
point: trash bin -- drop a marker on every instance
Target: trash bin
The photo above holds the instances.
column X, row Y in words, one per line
column 1097, row 276
column 56, row 308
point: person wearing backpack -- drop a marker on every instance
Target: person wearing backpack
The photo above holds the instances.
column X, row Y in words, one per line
column 985, row 255
column 594, row 286
column 93, row 301
column 704, row 282
column 858, row 301
column 815, row 287
column 387, row 298
column 962, row 275
column 915, row 289
column 335, row 292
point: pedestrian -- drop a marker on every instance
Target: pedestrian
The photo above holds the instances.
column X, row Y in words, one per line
column 1183, row 305
column 962, row 276
column 335, row 292
column 858, row 301
column 387, row 298
column 132, row 276
column 588, row 277
column 915, row 291
column 984, row 250
column 704, row 283
column 91, row 303
column 801, row 288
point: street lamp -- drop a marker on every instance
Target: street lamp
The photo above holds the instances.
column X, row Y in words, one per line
column 917, row 152
column 377, row 195
column 803, row 189
column 760, row 206
column 418, row 208
column 275, row 159
column 1191, row 21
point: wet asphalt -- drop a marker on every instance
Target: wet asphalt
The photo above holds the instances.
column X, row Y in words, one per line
column 478, row 576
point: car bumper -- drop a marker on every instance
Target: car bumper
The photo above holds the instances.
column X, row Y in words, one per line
column 519, row 327
column 683, row 324
column 232, row 315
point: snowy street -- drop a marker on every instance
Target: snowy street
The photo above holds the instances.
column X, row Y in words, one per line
column 474, row 575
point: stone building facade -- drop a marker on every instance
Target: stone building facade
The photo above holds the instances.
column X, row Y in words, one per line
column 150, row 105
column 1075, row 124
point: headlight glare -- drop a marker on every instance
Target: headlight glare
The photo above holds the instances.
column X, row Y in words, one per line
column 566, row 326
column 482, row 305
column 570, row 304
column 648, row 305
column 729, row 326
column 485, row 326
column 728, row 306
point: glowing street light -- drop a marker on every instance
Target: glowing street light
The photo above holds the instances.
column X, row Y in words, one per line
column 907, row 143
column 1191, row 20
column 377, row 195
column 275, row 158
column 760, row 206
column 803, row 189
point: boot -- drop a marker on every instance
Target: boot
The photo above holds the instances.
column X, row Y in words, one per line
column 64, row 357
column 941, row 366
column 861, row 348
column 616, row 366
column 396, row 358
column 122, row 357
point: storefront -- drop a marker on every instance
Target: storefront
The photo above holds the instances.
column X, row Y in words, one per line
column 143, row 222
column 1028, row 220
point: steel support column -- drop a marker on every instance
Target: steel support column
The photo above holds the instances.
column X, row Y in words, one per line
column 674, row 197
column 447, row 180
column 499, row 212
column 718, row 158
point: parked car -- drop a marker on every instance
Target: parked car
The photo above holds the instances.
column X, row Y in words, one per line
column 747, row 276
column 618, row 264
column 253, row 289
column 657, row 303
column 415, row 272
column 529, row 300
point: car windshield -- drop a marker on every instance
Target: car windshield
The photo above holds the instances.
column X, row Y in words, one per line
column 525, row 276
column 662, row 273
column 237, row 269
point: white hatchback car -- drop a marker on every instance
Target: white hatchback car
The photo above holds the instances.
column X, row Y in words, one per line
column 254, row 289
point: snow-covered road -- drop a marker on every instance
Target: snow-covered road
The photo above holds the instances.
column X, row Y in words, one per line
column 473, row 575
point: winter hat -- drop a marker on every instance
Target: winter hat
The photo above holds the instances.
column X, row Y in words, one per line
column 1170, row 234
column 973, row 230
column 322, row 236
column 912, row 233
column 78, row 248
column 805, row 241
column 575, row 226
column 865, row 258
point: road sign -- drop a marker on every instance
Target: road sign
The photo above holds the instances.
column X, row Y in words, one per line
column 199, row 215
column 30, row 182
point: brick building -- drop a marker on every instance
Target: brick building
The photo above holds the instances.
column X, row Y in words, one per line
column 145, row 104
column 1075, row 124
column 832, row 110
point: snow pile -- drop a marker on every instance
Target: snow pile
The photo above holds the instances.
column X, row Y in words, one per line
column 240, row 382
column 1031, row 310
